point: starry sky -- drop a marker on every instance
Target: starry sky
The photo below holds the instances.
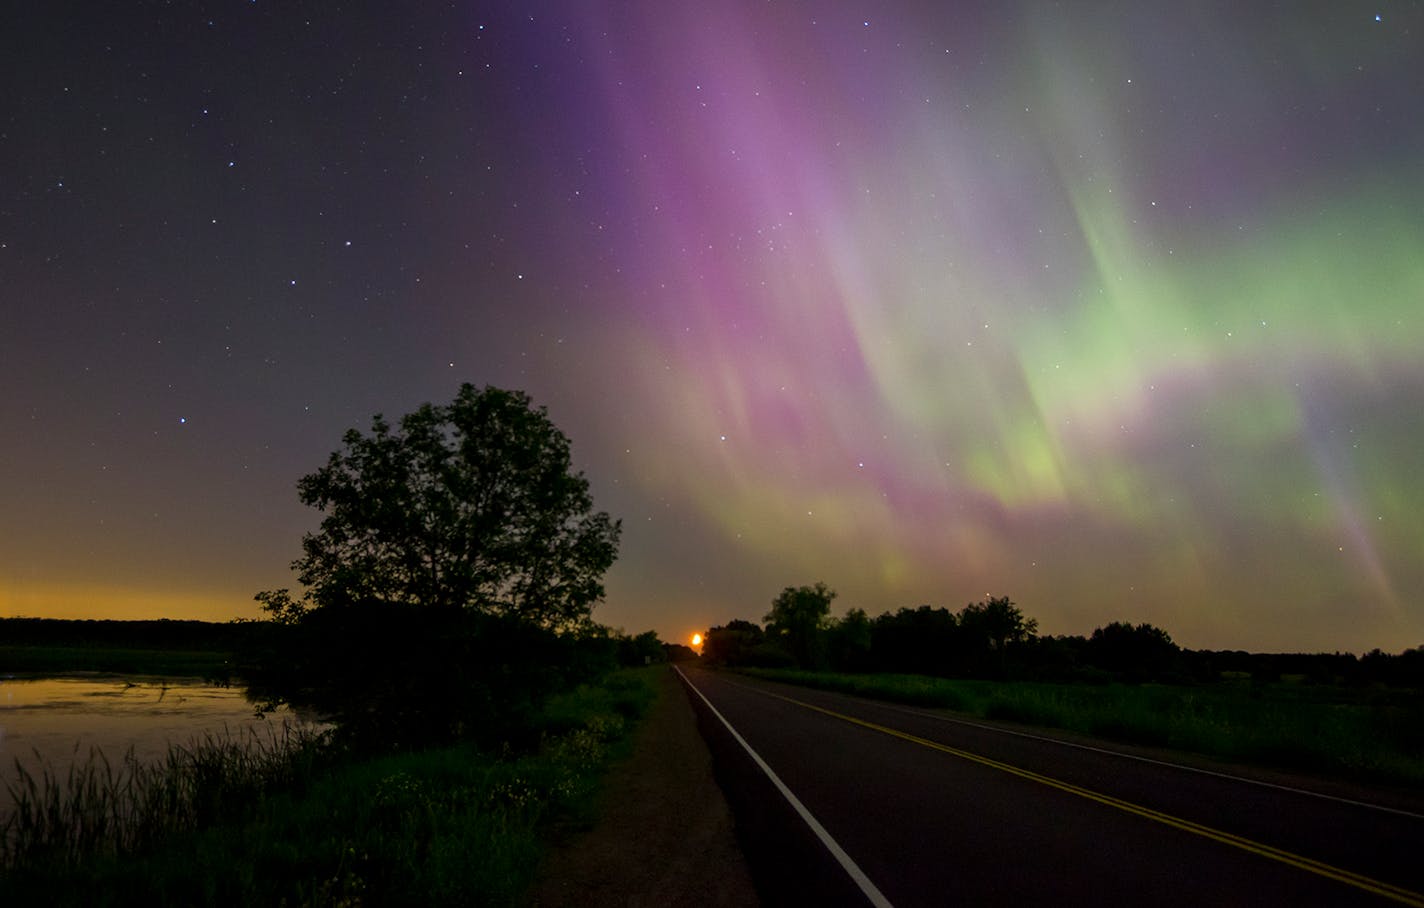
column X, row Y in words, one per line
column 1114, row 308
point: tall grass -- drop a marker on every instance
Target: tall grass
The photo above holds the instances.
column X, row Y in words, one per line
column 99, row 807
column 1375, row 736
column 446, row 826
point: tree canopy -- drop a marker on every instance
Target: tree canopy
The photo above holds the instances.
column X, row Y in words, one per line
column 472, row 505
column 457, row 550
column 998, row 621
column 797, row 618
column 1136, row 652
column 740, row 642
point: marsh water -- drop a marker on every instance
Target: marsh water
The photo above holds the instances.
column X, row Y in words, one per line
column 57, row 721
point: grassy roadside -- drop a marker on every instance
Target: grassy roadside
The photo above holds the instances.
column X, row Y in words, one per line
column 1359, row 735
column 437, row 827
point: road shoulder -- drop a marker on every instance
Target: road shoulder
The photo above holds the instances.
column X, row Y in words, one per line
column 664, row 836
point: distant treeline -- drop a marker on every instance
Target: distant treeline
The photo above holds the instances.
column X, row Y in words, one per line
column 204, row 647
column 994, row 639
column 158, row 634
column 163, row 647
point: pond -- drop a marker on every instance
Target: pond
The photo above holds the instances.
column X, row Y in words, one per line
column 57, row 721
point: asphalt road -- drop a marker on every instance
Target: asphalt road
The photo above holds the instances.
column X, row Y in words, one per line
column 927, row 810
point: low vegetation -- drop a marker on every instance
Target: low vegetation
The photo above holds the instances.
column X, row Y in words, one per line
column 298, row 821
column 1369, row 734
column 102, row 807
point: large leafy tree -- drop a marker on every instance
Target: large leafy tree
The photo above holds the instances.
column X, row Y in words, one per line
column 848, row 641
column 473, row 505
column 797, row 619
column 1138, row 653
column 456, row 550
column 734, row 644
column 988, row 630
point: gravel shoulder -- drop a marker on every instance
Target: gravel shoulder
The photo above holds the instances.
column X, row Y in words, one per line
column 664, row 836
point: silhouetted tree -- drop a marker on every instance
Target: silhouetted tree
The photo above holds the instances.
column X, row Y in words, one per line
column 797, row 619
column 1059, row 658
column 919, row 640
column 848, row 642
column 990, row 628
column 998, row 621
column 451, row 580
column 678, row 652
column 739, row 642
column 643, row 649
column 1137, row 653
column 472, row 505
column 1409, row 668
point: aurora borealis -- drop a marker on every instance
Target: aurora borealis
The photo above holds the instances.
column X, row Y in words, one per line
column 1115, row 309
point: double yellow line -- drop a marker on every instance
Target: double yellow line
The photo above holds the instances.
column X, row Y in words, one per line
column 1387, row 890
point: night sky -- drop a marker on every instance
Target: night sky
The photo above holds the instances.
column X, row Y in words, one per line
column 1114, row 309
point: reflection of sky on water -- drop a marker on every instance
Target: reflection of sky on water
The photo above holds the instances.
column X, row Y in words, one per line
column 56, row 721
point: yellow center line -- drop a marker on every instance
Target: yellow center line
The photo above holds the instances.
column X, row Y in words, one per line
column 1309, row 865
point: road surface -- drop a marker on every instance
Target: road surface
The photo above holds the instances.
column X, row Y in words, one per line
column 840, row 800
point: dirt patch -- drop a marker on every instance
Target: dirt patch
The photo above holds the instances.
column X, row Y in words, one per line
column 664, row 836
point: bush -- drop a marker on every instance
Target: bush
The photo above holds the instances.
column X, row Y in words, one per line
column 395, row 676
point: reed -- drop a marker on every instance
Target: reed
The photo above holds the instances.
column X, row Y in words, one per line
column 102, row 807
column 309, row 826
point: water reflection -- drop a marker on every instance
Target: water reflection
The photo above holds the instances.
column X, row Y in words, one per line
column 57, row 721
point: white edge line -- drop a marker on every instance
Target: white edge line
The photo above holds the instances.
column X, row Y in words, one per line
column 876, row 897
column 924, row 714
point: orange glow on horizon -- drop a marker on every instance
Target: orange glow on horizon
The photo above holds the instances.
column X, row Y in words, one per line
column 696, row 640
column 95, row 601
